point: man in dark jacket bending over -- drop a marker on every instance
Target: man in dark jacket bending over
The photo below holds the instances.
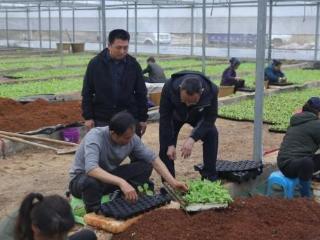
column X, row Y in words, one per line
column 189, row 97
column 113, row 82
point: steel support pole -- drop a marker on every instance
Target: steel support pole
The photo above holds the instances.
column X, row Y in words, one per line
column 316, row 47
column 7, row 28
column 158, row 30
column 40, row 29
column 229, row 26
column 60, row 34
column 204, row 36
column 192, row 31
column 127, row 17
column 28, row 27
column 270, row 30
column 135, row 28
column 260, row 59
column 99, row 25
column 73, row 26
column 103, row 15
column 49, row 30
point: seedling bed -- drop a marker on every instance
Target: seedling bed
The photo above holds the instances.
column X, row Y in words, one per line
column 256, row 218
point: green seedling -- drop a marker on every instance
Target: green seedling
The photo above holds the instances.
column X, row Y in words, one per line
column 207, row 192
column 144, row 189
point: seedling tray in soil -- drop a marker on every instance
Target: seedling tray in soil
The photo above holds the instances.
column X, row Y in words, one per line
column 280, row 84
column 121, row 209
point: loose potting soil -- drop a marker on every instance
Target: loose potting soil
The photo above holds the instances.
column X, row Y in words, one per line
column 18, row 117
column 246, row 219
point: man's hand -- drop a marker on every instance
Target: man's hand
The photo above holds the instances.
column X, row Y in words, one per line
column 180, row 186
column 171, row 152
column 143, row 126
column 237, row 78
column 89, row 124
column 129, row 192
column 187, row 147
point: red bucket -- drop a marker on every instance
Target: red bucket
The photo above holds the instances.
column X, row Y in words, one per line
column 71, row 135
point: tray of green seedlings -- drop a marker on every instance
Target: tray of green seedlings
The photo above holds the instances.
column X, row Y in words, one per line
column 202, row 195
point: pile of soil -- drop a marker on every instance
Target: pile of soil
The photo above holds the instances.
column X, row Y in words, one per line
column 18, row 117
column 246, row 219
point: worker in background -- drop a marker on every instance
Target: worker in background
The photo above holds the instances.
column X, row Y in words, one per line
column 273, row 73
column 155, row 71
column 189, row 97
column 229, row 76
column 113, row 83
column 97, row 168
column 42, row 217
column 297, row 156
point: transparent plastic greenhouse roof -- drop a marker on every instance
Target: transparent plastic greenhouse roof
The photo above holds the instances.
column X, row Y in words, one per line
column 13, row 4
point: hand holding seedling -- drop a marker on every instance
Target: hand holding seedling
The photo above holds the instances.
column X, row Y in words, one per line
column 180, row 186
column 171, row 152
column 129, row 192
column 187, row 148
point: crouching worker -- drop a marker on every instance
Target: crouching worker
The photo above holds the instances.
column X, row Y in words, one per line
column 96, row 169
column 297, row 156
column 273, row 73
column 189, row 97
column 229, row 76
column 42, row 217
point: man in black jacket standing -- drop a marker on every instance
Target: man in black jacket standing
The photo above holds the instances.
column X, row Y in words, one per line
column 189, row 97
column 113, row 83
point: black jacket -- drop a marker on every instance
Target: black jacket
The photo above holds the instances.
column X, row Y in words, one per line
column 202, row 115
column 98, row 101
column 301, row 140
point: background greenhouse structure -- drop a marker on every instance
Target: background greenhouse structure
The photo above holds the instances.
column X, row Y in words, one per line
column 253, row 29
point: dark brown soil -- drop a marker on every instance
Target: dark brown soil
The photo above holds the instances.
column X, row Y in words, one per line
column 258, row 218
column 17, row 117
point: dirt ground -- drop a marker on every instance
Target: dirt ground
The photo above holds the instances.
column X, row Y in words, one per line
column 45, row 172
column 257, row 218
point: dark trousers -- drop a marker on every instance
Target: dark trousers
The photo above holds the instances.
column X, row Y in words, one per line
column 98, row 123
column 302, row 168
column 91, row 190
column 83, row 235
column 209, row 148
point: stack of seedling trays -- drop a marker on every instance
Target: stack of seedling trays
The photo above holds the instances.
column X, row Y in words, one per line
column 236, row 171
column 121, row 209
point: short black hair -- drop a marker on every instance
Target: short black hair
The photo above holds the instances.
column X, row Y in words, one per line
column 191, row 84
column 276, row 62
column 118, row 34
column 151, row 59
column 234, row 61
column 121, row 122
column 312, row 105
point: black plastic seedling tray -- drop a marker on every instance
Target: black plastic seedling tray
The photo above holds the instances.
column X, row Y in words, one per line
column 236, row 171
column 280, row 84
column 121, row 209
column 246, row 89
